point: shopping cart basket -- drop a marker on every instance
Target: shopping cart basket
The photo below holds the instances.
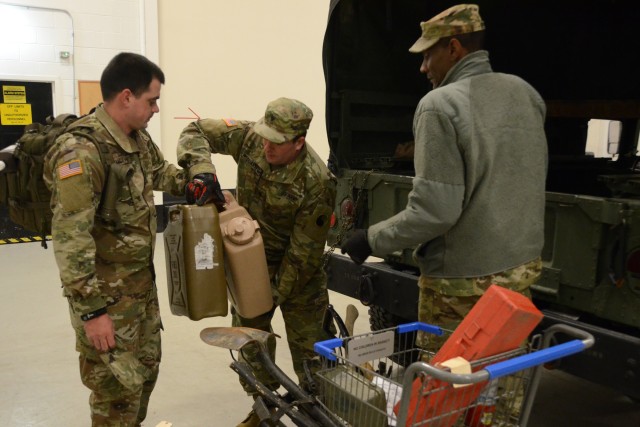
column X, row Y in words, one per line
column 363, row 378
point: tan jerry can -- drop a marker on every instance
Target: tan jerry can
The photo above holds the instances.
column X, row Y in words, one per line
column 245, row 261
column 195, row 262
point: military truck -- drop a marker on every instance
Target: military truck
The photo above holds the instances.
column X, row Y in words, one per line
column 582, row 56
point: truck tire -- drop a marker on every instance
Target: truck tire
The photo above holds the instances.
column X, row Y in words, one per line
column 404, row 350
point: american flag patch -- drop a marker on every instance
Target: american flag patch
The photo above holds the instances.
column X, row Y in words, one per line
column 69, row 169
column 230, row 122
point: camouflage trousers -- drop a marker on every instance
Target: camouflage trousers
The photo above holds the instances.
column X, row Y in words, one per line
column 121, row 381
column 437, row 307
column 445, row 302
column 302, row 312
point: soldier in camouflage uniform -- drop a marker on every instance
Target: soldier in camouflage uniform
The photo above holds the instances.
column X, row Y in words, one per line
column 102, row 174
column 285, row 186
column 476, row 209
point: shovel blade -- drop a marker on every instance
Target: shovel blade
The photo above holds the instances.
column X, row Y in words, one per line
column 234, row 338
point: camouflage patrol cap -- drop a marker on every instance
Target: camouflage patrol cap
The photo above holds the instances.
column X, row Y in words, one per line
column 459, row 19
column 283, row 120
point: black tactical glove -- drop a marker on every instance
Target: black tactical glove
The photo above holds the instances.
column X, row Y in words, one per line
column 205, row 188
column 357, row 246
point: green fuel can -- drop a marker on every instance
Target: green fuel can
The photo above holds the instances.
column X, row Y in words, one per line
column 195, row 263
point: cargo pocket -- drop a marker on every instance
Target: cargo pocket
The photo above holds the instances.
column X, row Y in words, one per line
column 127, row 369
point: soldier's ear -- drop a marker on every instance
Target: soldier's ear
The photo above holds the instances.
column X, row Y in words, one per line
column 456, row 50
column 299, row 143
column 124, row 97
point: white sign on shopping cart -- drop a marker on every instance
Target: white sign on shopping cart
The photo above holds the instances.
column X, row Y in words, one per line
column 369, row 347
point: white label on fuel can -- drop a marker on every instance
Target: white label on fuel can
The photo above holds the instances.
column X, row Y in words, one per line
column 204, row 253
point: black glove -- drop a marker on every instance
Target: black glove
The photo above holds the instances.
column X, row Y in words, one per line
column 357, row 246
column 205, row 188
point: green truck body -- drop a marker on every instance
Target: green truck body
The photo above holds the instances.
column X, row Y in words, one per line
column 582, row 57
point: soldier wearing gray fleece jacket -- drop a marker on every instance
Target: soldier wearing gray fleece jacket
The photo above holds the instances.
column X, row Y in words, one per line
column 477, row 203
column 476, row 210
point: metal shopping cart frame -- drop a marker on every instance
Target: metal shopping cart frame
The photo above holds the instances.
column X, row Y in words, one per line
column 354, row 374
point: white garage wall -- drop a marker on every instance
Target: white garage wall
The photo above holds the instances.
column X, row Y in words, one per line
column 31, row 44
column 93, row 31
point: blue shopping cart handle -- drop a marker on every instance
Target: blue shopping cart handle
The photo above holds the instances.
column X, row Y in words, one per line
column 326, row 348
column 419, row 326
column 530, row 360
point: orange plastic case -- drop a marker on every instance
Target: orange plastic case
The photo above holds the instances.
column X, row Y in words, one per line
column 499, row 322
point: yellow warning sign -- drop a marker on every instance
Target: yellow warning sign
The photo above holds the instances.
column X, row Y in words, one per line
column 14, row 94
column 15, row 114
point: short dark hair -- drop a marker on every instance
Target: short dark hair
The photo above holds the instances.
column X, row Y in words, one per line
column 470, row 41
column 128, row 71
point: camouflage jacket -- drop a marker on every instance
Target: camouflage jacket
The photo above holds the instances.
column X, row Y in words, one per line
column 99, row 259
column 292, row 204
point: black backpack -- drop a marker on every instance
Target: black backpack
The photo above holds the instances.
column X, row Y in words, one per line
column 22, row 187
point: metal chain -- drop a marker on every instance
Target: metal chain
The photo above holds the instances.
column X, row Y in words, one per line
column 346, row 225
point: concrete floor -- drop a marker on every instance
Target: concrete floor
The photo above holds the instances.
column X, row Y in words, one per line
column 40, row 385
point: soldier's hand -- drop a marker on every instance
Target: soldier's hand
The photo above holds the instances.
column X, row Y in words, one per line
column 192, row 192
column 100, row 332
column 205, row 188
column 357, row 246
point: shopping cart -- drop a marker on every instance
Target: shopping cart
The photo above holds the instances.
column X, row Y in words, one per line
column 374, row 380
